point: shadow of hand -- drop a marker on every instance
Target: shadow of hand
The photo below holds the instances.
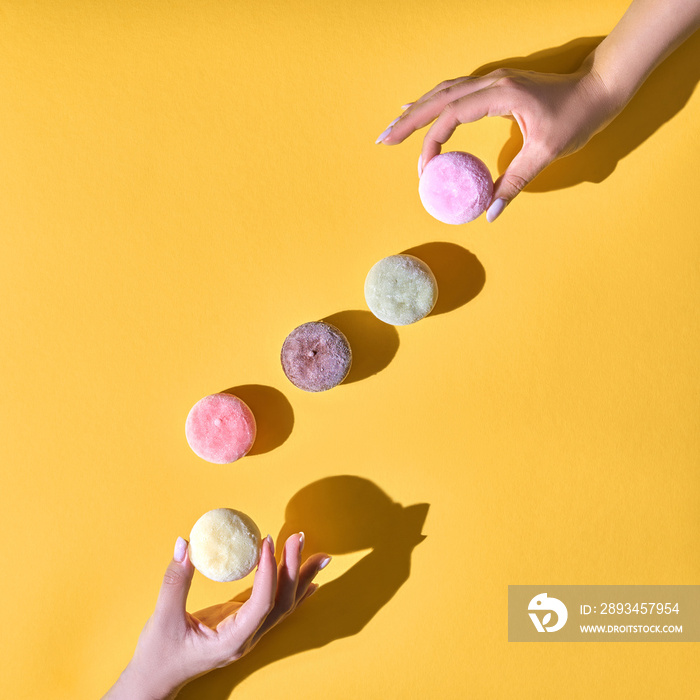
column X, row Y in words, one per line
column 339, row 515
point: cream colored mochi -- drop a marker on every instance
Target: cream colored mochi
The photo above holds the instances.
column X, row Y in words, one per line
column 400, row 289
column 224, row 545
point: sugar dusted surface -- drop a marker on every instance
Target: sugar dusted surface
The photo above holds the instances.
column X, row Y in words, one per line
column 316, row 356
column 455, row 187
column 220, row 428
column 224, row 545
column 400, row 289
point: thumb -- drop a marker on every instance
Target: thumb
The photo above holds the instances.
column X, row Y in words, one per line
column 176, row 584
column 528, row 163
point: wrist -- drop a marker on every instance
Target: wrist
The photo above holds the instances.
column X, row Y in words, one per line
column 136, row 683
column 601, row 78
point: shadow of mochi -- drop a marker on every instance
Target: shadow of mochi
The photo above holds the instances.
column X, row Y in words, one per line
column 459, row 274
column 373, row 342
column 274, row 416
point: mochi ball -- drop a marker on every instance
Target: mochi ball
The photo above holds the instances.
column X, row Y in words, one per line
column 400, row 289
column 220, row 428
column 316, row 356
column 225, row 545
column 455, row 187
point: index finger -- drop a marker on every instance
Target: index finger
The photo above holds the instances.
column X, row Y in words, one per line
column 487, row 102
column 287, row 581
column 253, row 612
column 428, row 107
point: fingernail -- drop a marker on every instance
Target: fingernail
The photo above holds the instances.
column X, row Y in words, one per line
column 301, row 541
column 407, row 105
column 180, row 550
column 494, row 211
column 383, row 135
column 420, row 165
column 386, row 131
column 312, row 589
column 271, row 543
column 324, row 563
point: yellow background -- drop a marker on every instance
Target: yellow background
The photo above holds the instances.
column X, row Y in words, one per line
column 181, row 184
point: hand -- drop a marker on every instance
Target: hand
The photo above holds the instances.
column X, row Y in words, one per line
column 557, row 115
column 176, row 646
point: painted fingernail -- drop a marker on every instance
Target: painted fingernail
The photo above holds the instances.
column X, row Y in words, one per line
column 494, row 211
column 324, row 563
column 386, row 131
column 271, row 543
column 180, row 550
column 301, row 541
column 420, row 165
column 407, row 105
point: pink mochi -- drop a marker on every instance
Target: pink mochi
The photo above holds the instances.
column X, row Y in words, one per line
column 220, row 428
column 455, row 187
